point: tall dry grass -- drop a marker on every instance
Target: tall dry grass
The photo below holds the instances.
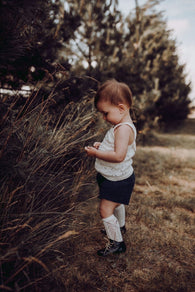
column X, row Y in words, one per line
column 50, row 228
column 44, row 175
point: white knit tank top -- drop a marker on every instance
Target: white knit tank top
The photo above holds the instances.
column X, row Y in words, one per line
column 116, row 171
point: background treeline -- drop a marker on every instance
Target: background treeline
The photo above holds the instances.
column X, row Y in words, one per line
column 62, row 50
column 57, row 42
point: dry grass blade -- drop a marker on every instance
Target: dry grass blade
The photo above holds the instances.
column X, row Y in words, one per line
column 44, row 171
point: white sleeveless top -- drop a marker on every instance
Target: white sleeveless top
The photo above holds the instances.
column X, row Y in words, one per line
column 116, row 171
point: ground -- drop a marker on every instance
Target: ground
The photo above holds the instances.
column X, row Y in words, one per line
column 159, row 221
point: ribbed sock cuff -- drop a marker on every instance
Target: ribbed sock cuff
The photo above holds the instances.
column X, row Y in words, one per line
column 112, row 227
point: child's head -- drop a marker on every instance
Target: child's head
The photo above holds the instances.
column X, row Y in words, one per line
column 115, row 92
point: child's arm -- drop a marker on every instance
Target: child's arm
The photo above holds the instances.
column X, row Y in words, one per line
column 123, row 135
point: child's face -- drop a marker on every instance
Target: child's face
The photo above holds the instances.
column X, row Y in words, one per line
column 111, row 113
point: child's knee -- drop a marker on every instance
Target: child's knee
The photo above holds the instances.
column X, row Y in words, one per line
column 105, row 210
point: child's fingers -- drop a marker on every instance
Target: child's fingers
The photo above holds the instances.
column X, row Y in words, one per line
column 96, row 145
column 88, row 148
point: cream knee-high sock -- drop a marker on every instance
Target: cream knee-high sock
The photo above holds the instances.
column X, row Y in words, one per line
column 119, row 212
column 112, row 227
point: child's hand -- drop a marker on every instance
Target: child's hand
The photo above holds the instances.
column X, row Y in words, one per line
column 97, row 145
column 91, row 151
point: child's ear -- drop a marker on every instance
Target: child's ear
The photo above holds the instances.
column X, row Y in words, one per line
column 122, row 107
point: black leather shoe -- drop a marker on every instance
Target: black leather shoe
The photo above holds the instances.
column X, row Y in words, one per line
column 112, row 247
column 123, row 230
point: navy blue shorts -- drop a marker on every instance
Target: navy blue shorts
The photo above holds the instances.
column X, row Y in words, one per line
column 116, row 191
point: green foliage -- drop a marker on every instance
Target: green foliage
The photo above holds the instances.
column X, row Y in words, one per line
column 32, row 34
column 93, row 38
column 138, row 50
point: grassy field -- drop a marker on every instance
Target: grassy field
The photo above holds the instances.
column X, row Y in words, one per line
column 49, row 221
column 160, row 223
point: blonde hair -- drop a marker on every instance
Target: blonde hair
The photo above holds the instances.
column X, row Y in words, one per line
column 115, row 92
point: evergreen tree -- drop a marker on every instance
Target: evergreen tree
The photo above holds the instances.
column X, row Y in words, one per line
column 145, row 57
column 32, row 35
column 165, row 92
column 138, row 50
column 93, row 38
column 97, row 39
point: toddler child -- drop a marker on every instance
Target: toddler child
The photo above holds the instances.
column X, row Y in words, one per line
column 115, row 175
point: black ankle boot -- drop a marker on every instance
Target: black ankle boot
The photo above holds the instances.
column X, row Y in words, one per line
column 123, row 230
column 112, row 247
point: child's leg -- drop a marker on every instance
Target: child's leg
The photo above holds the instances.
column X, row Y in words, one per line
column 116, row 244
column 119, row 212
column 110, row 222
column 112, row 228
column 107, row 208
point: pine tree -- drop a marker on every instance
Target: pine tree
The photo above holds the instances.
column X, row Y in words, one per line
column 95, row 43
column 32, row 34
column 93, row 38
column 165, row 96
column 147, row 61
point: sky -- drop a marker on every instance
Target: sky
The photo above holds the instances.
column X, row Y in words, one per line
column 180, row 17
